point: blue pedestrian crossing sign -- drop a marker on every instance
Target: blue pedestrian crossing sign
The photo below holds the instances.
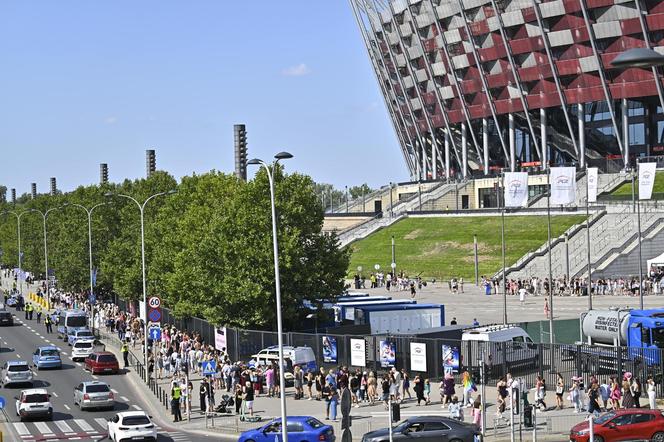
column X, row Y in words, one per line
column 2, row 402
column 155, row 333
column 209, row 368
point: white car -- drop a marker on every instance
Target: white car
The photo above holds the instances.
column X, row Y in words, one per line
column 131, row 425
column 16, row 372
column 35, row 402
column 82, row 349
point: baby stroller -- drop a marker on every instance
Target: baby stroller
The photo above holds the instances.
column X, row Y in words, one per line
column 246, row 418
column 225, row 405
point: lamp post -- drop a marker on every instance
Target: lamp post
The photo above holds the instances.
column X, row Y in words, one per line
column 44, row 216
column 282, row 383
column 141, row 208
column 641, row 58
column 89, row 213
column 18, row 227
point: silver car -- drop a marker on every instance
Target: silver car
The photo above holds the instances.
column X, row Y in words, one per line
column 94, row 394
column 16, row 372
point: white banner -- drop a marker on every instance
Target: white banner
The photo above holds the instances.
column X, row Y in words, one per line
column 358, row 353
column 563, row 185
column 220, row 338
column 646, row 180
column 418, row 357
column 592, row 177
column 516, row 189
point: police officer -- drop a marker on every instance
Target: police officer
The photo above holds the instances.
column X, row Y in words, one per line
column 32, row 309
column 39, row 314
column 27, row 311
column 176, row 394
column 48, row 323
column 125, row 353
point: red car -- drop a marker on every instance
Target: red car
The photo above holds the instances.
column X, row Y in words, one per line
column 102, row 362
column 622, row 425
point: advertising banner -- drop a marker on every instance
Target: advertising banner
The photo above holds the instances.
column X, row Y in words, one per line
column 450, row 359
column 418, row 356
column 329, row 349
column 563, row 185
column 592, row 184
column 646, row 180
column 358, row 353
column 219, row 338
column 516, row 189
column 388, row 354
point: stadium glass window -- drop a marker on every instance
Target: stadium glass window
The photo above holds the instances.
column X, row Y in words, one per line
column 637, row 133
column 606, row 130
column 635, row 109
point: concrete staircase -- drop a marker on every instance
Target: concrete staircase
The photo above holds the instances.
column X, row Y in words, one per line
column 367, row 228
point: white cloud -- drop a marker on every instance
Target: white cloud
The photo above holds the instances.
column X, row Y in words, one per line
column 298, row 70
column 111, row 120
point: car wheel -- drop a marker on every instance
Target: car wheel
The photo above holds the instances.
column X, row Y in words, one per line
column 599, row 439
column 657, row 437
column 456, row 440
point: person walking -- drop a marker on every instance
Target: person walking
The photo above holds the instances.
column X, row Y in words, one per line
column 48, row 323
column 334, row 401
column 627, row 397
column 202, row 394
column 447, row 389
column 39, row 315
column 574, row 394
column 560, row 390
column 651, row 392
column 176, row 394
column 477, row 410
column 636, row 391
column 418, row 387
column 593, row 403
column 125, row 354
column 468, row 389
column 616, row 394
column 248, row 398
column 546, row 308
column 455, row 409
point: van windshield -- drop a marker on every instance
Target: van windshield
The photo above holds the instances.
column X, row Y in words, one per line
column 658, row 337
column 76, row 321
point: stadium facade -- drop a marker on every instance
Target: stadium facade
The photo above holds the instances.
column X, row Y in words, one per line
column 475, row 86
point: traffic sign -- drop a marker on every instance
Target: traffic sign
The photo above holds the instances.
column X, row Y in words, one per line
column 155, row 333
column 209, row 368
column 154, row 302
column 154, row 315
column 2, row 402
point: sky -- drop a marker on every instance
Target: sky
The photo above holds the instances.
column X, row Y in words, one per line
column 86, row 82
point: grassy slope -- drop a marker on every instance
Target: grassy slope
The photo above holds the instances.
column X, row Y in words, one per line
column 443, row 247
column 626, row 189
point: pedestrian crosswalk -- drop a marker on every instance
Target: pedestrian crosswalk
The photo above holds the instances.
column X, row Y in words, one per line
column 76, row 429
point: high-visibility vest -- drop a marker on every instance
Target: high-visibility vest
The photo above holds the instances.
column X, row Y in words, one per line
column 176, row 393
column 124, row 348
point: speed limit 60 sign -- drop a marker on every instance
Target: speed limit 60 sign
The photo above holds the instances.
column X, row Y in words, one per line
column 154, row 302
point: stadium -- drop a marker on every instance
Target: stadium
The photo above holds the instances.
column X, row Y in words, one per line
column 475, row 86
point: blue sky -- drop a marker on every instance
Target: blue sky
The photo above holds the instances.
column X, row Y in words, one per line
column 84, row 82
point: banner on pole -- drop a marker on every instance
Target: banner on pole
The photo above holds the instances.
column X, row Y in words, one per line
column 418, row 357
column 516, row 189
column 646, row 180
column 358, row 356
column 563, row 185
column 592, row 177
column 330, row 350
column 220, row 340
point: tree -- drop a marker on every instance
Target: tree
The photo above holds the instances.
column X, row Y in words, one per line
column 359, row 191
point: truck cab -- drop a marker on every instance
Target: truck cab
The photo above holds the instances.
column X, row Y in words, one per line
column 645, row 334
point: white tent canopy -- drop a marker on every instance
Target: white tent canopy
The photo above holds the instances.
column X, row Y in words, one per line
column 657, row 261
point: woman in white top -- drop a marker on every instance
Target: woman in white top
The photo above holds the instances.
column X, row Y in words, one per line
column 651, row 393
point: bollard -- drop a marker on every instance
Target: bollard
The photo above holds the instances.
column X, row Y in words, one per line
column 591, row 430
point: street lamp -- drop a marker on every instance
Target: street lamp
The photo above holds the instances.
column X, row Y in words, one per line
column 89, row 213
column 640, row 58
column 141, row 208
column 282, row 383
column 44, row 216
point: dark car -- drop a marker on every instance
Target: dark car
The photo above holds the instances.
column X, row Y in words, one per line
column 6, row 318
column 627, row 424
column 427, row 429
column 102, row 362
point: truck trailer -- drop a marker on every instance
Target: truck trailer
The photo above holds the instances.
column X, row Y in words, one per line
column 400, row 318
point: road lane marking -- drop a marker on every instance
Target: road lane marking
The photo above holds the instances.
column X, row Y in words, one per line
column 84, row 425
column 102, row 422
column 56, row 395
column 64, row 427
column 19, row 356
column 136, row 407
column 67, row 407
column 43, row 428
column 21, row 428
column 124, row 398
column 114, row 391
column 80, row 365
column 94, row 376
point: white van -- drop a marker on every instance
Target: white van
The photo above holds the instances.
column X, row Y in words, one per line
column 502, row 343
column 302, row 356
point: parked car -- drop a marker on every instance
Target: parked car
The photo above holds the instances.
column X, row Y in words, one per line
column 16, row 372
column 47, row 357
column 94, row 394
column 427, row 428
column 35, row 402
column 6, row 318
column 102, row 362
column 619, row 425
column 75, row 335
column 13, row 301
column 300, row 428
column 83, row 348
column 131, row 425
